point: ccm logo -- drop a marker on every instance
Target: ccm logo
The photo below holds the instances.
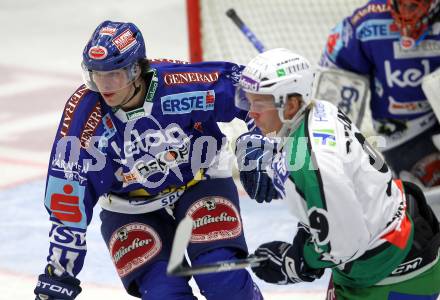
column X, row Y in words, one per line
column 408, row 266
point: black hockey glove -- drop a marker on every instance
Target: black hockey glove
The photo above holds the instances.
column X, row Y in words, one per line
column 52, row 287
column 254, row 153
column 285, row 263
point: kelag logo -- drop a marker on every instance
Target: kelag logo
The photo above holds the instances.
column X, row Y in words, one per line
column 187, row 102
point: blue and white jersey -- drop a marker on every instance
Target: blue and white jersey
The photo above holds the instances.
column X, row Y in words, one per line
column 161, row 148
column 368, row 43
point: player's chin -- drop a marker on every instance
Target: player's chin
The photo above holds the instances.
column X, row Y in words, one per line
column 110, row 98
column 264, row 128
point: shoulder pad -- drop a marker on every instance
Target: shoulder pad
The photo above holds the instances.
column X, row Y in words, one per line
column 80, row 107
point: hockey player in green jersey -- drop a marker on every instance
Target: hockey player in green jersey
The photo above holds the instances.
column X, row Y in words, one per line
column 376, row 233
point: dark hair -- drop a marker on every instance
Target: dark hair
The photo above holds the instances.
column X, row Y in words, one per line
column 145, row 67
column 296, row 95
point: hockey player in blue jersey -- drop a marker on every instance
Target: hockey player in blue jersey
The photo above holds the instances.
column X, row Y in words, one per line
column 141, row 139
column 395, row 44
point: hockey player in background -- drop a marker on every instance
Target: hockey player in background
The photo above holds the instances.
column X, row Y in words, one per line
column 395, row 44
column 141, row 138
column 377, row 235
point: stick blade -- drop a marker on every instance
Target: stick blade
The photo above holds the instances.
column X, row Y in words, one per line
column 181, row 240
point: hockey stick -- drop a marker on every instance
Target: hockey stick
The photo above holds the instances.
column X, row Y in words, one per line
column 246, row 31
column 176, row 267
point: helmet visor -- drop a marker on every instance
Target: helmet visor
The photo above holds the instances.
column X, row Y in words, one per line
column 251, row 102
column 109, row 81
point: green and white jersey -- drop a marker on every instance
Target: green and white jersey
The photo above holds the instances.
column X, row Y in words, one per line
column 341, row 188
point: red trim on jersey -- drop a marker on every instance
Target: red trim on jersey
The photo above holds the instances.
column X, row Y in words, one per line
column 70, row 108
column 399, row 236
column 194, row 30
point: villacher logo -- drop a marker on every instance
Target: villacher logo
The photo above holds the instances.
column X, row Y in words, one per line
column 215, row 218
column 133, row 245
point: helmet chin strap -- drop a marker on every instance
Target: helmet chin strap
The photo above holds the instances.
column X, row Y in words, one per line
column 136, row 91
column 290, row 124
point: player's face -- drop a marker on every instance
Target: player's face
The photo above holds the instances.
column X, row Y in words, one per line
column 117, row 98
column 411, row 8
column 111, row 80
column 114, row 86
column 264, row 112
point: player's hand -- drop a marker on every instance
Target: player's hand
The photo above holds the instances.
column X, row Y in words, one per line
column 52, row 287
column 254, row 155
column 285, row 263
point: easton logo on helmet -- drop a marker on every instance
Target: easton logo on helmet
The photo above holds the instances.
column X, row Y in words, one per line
column 98, row 52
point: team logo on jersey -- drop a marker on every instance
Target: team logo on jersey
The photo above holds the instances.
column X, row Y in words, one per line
column 335, row 41
column 132, row 246
column 324, row 137
column 371, row 8
column 91, row 125
column 410, row 77
column 109, row 132
column 124, row 41
column 67, row 237
column 376, row 30
column 426, row 48
column 135, row 114
column 319, row 113
column 198, row 126
column 215, row 218
column 162, row 162
column 127, row 178
column 187, row 102
column 190, row 77
column 331, row 42
column 167, row 61
column 70, row 108
column 404, row 108
column 71, row 170
column 65, row 199
column 98, row 52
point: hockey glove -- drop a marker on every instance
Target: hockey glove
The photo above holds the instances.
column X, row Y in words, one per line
column 280, row 173
column 285, row 263
column 254, row 154
column 52, row 287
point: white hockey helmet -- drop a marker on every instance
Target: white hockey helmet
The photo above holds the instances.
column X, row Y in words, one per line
column 278, row 72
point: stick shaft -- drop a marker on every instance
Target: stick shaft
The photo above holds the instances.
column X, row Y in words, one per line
column 221, row 266
column 231, row 13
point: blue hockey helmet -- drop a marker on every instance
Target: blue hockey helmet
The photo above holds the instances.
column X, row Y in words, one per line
column 113, row 46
